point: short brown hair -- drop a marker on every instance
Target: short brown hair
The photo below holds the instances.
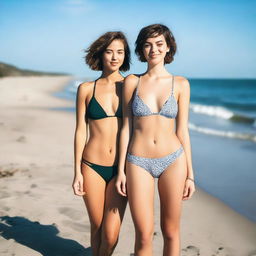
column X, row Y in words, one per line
column 154, row 31
column 95, row 51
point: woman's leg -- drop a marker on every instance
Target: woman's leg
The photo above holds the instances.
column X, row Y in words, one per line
column 94, row 187
column 114, row 210
column 140, row 188
column 170, row 185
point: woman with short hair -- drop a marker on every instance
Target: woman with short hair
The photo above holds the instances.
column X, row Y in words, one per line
column 96, row 152
column 155, row 143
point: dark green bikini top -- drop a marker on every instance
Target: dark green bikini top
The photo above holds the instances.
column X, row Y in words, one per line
column 95, row 111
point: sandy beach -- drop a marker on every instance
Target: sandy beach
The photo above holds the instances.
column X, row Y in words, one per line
column 39, row 215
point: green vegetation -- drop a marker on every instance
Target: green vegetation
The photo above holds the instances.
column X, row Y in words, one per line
column 10, row 70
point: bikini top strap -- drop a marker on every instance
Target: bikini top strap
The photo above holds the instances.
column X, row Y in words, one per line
column 137, row 87
column 94, row 86
column 172, row 83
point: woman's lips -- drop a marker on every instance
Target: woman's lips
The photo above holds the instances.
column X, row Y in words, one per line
column 154, row 56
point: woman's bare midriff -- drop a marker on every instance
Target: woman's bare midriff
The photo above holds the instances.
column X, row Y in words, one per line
column 153, row 136
column 103, row 142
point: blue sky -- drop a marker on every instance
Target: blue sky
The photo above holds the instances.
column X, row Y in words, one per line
column 215, row 38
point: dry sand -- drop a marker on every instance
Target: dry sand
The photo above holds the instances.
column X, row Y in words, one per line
column 39, row 215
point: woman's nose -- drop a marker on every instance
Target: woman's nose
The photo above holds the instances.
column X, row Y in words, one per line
column 153, row 48
column 114, row 56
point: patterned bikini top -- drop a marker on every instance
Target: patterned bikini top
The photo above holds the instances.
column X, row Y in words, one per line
column 169, row 108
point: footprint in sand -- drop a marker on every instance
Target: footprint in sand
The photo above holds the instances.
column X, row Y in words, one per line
column 190, row 251
column 252, row 253
column 76, row 226
column 4, row 194
column 155, row 234
column 7, row 172
column 71, row 213
column 221, row 251
column 6, row 209
column 25, row 170
column 21, row 139
column 33, row 186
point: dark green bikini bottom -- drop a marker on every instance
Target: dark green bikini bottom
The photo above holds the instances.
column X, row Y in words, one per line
column 106, row 172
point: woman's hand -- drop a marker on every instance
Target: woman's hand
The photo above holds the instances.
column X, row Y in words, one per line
column 78, row 185
column 121, row 184
column 189, row 189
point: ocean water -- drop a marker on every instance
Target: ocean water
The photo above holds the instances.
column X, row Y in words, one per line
column 222, row 125
column 224, row 107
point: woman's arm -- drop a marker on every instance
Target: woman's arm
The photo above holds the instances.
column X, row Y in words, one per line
column 80, row 138
column 183, row 133
column 129, row 86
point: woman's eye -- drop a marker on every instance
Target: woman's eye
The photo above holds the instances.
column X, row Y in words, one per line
column 159, row 45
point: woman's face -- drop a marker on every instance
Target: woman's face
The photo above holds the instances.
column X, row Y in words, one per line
column 155, row 49
column 113, row 56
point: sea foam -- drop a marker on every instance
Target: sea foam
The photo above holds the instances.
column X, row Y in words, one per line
column 228, row 134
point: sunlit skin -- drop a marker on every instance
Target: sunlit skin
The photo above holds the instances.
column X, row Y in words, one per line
column 153, row 137
column 113, row 56
column 155, row 50
column 100, row 146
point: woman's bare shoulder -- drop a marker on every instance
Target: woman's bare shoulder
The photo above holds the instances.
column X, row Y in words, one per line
column 182, row 83
column 132, row 78
column 85, row 87
column 131, row 81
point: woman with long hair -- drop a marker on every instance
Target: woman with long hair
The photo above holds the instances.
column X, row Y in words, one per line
column 98, row 124
column 155, row 143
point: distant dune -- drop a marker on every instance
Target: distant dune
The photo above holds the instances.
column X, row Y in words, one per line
column 10, row 70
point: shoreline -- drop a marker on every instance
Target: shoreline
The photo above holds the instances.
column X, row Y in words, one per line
column 37, row 142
